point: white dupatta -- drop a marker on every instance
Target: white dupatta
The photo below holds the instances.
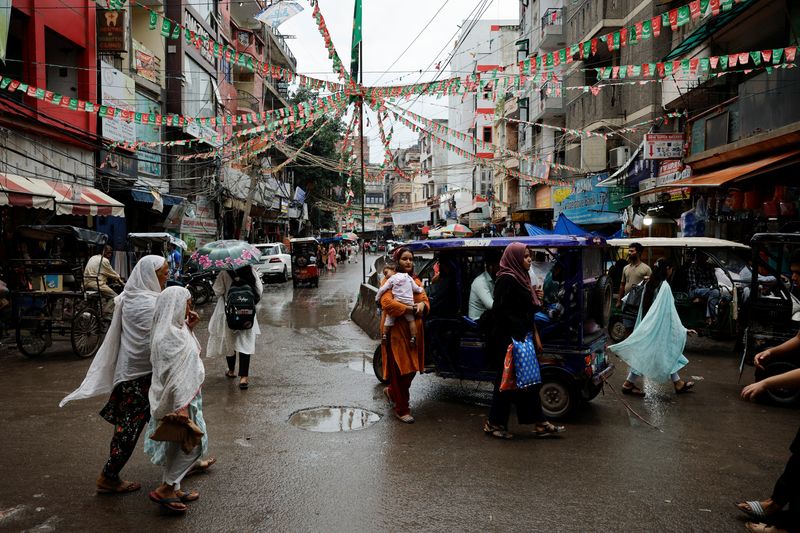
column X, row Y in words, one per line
column 125, row 352
column 178, row 371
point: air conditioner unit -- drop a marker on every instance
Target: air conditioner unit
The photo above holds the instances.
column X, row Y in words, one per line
column 618, row 156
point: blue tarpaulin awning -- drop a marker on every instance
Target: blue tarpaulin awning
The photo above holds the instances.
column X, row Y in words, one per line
column 533, row 231
column 565, row 226
column 146, row 197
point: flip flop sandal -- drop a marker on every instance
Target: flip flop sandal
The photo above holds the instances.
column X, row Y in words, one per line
column 760, row 527
column 633, row 391
column 244, row 385
column 122, row 487
column 406, row 419
column 168, row 503
column 549, row 431
column 186, row 496
column 687, row 386
column 756, row 509
column 229, row 374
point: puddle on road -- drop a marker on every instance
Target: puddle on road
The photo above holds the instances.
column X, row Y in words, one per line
column 360, row 363
column 333, row 419
column 303, row 311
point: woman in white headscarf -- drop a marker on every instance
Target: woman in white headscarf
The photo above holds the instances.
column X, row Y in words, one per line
column 122, row 367
column 178, row 375
column 222, row 340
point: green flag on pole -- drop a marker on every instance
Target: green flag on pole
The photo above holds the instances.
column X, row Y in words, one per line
column 356, row 46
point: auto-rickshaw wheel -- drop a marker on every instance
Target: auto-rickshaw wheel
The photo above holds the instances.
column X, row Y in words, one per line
column 377, row 365
column 558, row 397
column 617, row 329
column 86, row 333
column 34, row 335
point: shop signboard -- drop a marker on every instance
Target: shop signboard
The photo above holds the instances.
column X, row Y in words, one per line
column 111, row 30
column 668, row 172
column 199, row 30
column 663, row 146
column 119, row 91
column 146, row 62
column 194, row 221
column 119, row 164
column 584, row 202
column 149, row 158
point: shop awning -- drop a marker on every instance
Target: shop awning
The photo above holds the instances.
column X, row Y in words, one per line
column 726, row 175
column 17, row 191
column 82, row 200
column 701, row 34
column 146, row 197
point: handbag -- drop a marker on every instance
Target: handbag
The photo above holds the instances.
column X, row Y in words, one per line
column 526, row 364
column 509, row 381
column 178, row 428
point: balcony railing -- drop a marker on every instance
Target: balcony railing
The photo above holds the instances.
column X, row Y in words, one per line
column 246, row 101
column 551, row 33
column 548, row 101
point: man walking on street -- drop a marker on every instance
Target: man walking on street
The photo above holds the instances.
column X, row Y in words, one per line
column 634, row 272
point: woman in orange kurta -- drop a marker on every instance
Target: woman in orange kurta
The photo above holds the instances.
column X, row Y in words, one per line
column 401, row 359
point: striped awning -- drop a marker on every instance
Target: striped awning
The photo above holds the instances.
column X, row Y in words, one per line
column 17, row 191
column 64, row 198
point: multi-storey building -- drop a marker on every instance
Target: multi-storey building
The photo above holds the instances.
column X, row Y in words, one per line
column 48, row 137
column 740, row 130
column 433, row 172
column 480, row 50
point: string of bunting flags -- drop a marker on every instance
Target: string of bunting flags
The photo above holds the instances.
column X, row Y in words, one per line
column 629, row 35
column 485, row 146
column 472, row 157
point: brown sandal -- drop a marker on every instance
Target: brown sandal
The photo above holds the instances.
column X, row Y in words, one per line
column 105, row 486
column 633, row 391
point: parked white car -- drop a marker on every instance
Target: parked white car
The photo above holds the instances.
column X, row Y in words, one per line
column 276, row 262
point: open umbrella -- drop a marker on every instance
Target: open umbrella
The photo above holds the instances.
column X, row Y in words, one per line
column 225, row 255
column 350, row 236
column 457, row 230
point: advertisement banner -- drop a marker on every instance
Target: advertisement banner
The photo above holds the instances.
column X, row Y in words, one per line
column 583, row 202
column 663, row 145
column 119, row 91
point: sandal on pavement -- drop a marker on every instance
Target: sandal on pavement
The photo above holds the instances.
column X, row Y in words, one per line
column 687, row 386
column 174, row 505
column 760, row 527
column 230, row 374
column 406, row 419
column 244, row 385
column 186, row 496
column 496, row 431
column 754, row 509
column 105, row 486
column 202, row 466
column 633, row 391
column 547, row 430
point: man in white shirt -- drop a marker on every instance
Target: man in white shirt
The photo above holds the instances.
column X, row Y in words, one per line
column 98, row 273
column 481, row 294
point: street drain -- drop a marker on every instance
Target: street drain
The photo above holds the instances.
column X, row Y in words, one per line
column 333, row 419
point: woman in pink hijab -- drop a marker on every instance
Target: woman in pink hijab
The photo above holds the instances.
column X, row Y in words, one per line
column 515, row 306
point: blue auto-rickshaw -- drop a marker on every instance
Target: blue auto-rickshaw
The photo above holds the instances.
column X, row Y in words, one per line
column 572, row 330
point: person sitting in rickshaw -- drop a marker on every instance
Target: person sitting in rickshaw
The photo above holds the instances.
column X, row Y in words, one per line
column 98, row 273
column 703, row 284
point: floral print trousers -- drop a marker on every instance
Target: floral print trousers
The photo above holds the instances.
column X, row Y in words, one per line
column 128, row 409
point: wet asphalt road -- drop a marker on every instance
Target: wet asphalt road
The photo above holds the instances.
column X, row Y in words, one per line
column 609, row 472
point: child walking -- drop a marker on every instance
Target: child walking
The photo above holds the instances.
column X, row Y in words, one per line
column 403, row 289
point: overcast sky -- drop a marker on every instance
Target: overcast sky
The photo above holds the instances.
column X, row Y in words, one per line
column 388, row 28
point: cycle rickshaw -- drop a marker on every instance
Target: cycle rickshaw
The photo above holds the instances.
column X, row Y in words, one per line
column 48, row 294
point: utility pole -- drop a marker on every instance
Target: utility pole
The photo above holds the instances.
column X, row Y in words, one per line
column 248, row 205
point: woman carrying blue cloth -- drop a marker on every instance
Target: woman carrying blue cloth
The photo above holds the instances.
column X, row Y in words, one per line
column 655, row 348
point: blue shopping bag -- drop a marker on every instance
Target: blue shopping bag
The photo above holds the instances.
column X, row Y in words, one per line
column 526, row 364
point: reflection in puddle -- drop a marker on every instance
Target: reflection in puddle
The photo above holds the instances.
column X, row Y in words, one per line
column 333, row 419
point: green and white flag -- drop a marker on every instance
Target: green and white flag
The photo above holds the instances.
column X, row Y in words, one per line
column 355, row 54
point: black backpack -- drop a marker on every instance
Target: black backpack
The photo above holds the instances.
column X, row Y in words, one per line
column 240, row 305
